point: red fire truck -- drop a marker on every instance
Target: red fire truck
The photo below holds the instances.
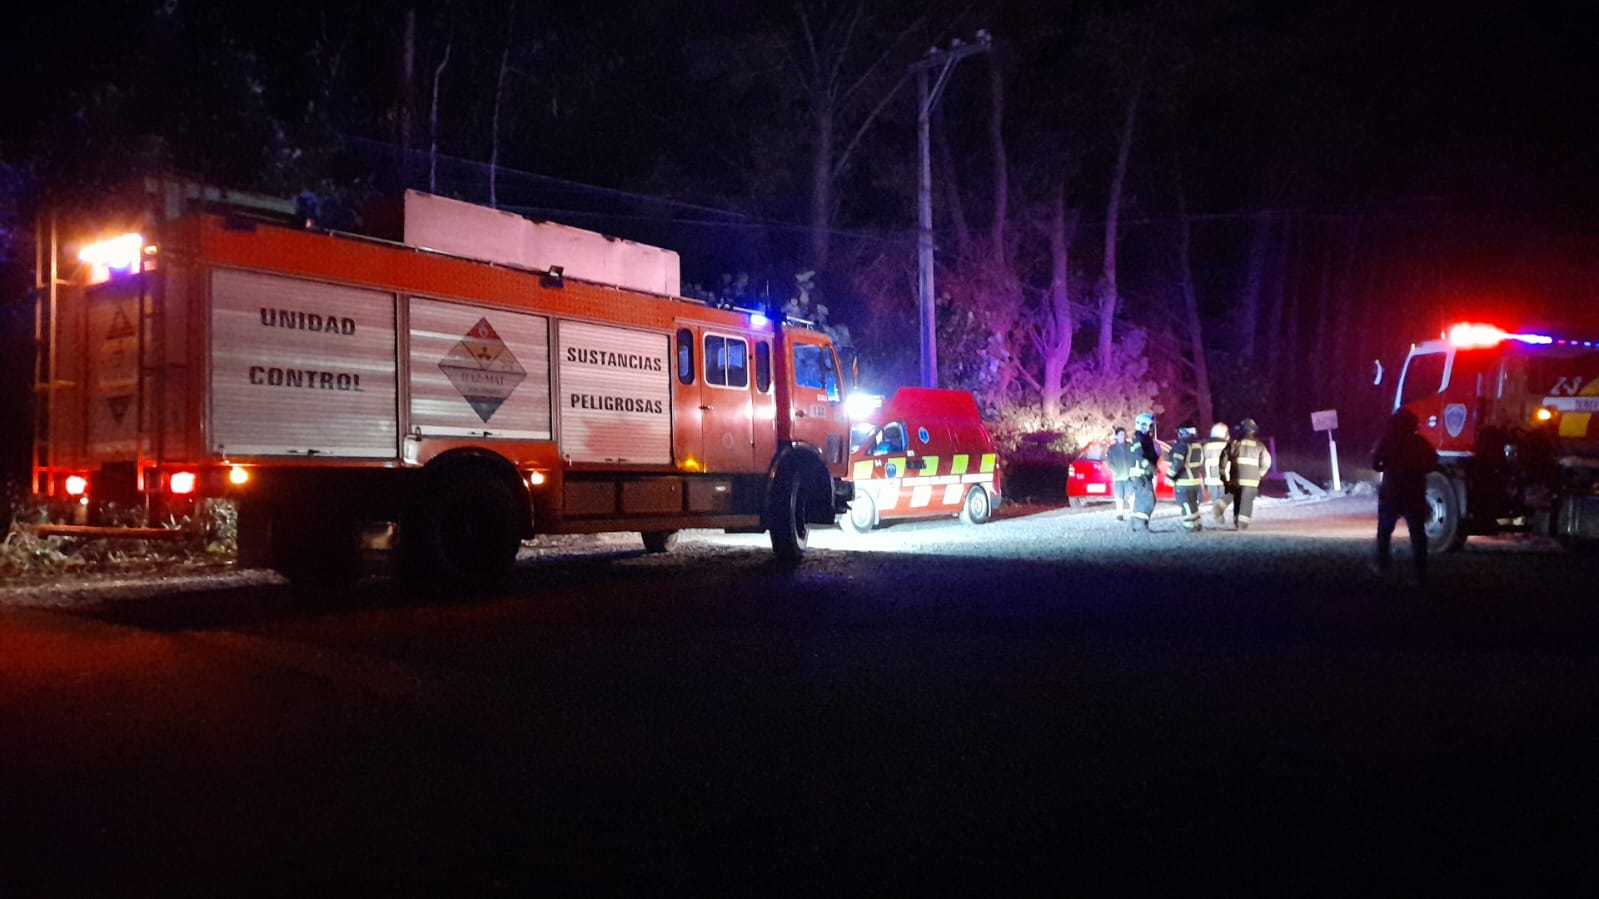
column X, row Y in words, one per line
column 1513, row 418
column 442, row 388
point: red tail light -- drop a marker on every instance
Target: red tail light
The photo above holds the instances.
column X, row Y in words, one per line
column 182, row 482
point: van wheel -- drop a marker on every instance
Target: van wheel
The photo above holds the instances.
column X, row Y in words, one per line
column 789, row 503
column 862, row 514
column 1444, row 530
column 976, row 509
column 463, row 533
column 659, row 541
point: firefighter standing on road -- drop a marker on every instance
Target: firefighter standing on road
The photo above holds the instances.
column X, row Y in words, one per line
column 1187, row 473
column 1404, row 457
column 1215, row 477
column 1246, row 461
column 1119, row 459
column 1142, row 473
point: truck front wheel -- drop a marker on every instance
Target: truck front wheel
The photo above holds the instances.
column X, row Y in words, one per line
column 1445, row 530
column 790, row 504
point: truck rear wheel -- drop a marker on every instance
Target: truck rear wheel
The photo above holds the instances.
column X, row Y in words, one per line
column 790, row 504
column 976, row 509
column 1445, row 531
column 463, row 530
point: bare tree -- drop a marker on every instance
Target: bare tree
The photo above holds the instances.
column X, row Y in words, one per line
column 499, row 98
column 1107, row 287
column 1196, row 334
column 833, row 83
column 1057, row 325
column 433, row 115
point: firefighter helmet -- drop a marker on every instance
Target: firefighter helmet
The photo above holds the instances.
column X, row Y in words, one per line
column 1187, row 431
column 1248, row 427
column 1144, row 421
column 1218, row 431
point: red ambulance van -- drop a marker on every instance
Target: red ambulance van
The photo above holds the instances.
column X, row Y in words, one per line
column 923, row 454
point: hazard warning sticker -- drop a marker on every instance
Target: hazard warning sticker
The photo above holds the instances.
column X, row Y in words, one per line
column 477, row 372
column 483, row 369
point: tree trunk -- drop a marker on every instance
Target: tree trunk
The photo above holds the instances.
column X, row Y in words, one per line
column 996, row 140
column 1196, row 334
column 949, row 187
column 499, row 98
column 822, row 189
column 1249, row 294
column 1278, row 276
column 407, row 94
column 433, row 117
column 1107, row 281
column 1057, row 349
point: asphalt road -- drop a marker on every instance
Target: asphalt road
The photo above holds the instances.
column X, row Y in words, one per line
column 1042, row 704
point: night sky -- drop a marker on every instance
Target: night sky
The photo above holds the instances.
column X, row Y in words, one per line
column 1455, row 145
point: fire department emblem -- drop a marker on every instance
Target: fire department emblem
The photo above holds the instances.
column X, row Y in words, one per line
column 482, row 368
column 1455, row 418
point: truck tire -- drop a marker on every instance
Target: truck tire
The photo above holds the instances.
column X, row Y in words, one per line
column 789, row 506
column 1445, row 530
column 862, row 514
column 462, row 532
column 659, row 541
column 977, row 508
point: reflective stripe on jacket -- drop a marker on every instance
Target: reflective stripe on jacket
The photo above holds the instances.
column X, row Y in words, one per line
column 1250, row 462
column 1215, row 474
column 1188, row 464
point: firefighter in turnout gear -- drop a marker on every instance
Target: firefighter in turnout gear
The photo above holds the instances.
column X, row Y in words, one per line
column 1216, row 478
column 1187, row 473
column 1246, row 462
column 1141, row 475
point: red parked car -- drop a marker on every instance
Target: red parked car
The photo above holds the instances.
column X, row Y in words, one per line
column 1089, row 478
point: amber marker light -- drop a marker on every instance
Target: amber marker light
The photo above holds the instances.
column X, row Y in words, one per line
column 238, row 475
column 1543, row 414
column 536, row 478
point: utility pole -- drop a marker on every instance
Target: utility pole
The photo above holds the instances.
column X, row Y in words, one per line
column 944, row 61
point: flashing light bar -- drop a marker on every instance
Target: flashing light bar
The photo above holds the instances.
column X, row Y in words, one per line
column 182, row 483
column 1470, row 336
column 861, row 405
column 120, row 254
column 76, row 485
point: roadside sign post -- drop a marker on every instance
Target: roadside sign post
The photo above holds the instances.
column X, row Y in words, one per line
column 1327, row 420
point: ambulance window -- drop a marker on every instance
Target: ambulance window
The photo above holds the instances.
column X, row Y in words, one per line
column 763, row 366
column 891, row 439
column 685, row 355
column 1424, row 376
column 727, row 361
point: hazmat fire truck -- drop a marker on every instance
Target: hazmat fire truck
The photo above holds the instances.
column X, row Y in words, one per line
column 470, row 380
column 1513, row 418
